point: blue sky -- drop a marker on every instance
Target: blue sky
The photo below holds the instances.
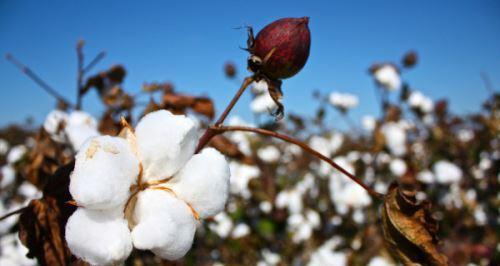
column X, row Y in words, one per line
column 187, row 42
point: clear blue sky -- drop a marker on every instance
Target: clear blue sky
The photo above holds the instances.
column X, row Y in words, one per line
column 188, row 42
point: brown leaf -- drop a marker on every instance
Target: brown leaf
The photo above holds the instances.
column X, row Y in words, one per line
column 409, row 230
column 179, row 104
column 42, row 223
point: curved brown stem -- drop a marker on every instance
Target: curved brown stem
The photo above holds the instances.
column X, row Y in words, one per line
column 221, row 129
column 210, row 133
column 12, row 213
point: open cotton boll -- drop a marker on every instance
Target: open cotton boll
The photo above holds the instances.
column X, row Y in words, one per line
column 388, row 77
column 80, row 127
column 7, row 175
column 269, row 154
column 447, row 172
column 165, row 143
column 165, row 224
column 203, row 182
column 395, row 137
column 259, row 87
column 263, row 104
column 54, row 124
column 99, row 237
column 16, row 153
column 4, row 146
column 343, row 100
column 105, row 169
column 398, row 167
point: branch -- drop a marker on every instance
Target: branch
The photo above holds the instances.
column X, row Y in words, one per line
column 12, row 213
column 305, row 147
column 94, row 61
column 37, row 79
column 79, row 80
column 210, row 133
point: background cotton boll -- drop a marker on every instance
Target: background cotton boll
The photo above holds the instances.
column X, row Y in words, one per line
column 8, row 175
column 269, row 154
column 4, row 147
column 105, row 169
column 80, row 127
column 29, row 191
column 240, row 230
column 398, row 167
column 54, row 124
column 259, row 87
column 241, row 174
column 16, row 153
column 165, row 143
column 388, row 77
column 326, row 254
column 98, row 237
column 426, row 177
column 13, row 252
column 164, row 224
column 369, row 123
column 203, row 182
column 343, row 100
column 263, row 104
column 222, row 226
column 380, row 261
column 395, row 137
column 320, row 144
column 265, row 206
column 447, row 172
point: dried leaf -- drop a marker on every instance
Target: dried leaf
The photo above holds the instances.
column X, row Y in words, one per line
column 179, row 104
column 409, row 230
column 42, row 223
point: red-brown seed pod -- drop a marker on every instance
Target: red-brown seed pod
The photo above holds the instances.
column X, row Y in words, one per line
column 283, row 46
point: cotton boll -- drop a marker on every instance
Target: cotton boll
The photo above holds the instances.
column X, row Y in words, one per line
column 16, row 153
column 398, row 167
column 105, row 169
column 80, row 127
column 395, row 137
column 13, row 252
column 4, row 146
column 447, row 172
column 165, row 224
column 54, row 124
column 29, row 191
column 380, row 261
column 222, row 226
column 98, row 237
column 165, row 143
column 343, row 100
column 259, row 87
column 240, row 230
column 269, row 154
column 8, row 176
column 388, row 77
column 321, row 145
column 426, row 177
column 369, row 123
column 241, row 174
column 326, row 254
column 203, row 182
column 263, row 104
column 265, row 206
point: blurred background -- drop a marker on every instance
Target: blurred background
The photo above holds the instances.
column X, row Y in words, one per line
column 187, row 43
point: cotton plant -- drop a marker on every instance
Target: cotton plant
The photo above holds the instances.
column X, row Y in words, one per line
column 145, row 189
column 73, row 128
column 387, row 76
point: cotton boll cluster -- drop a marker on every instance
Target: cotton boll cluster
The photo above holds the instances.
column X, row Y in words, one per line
column 302, row 226
column 344, row 193
column 343, row 101
column 75, row 127
column 420, row 102
column 387, row 76
column 173, row 190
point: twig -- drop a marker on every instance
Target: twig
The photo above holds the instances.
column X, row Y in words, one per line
column 37, row 80
column 12, row 213
column 94, row 61
column 210, row 133
column 79, row 80
column 487, row 82
column 221, row 129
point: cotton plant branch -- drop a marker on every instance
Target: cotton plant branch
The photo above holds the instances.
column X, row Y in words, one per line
column 305, row 147
column 80, row 73
column 40, row 82
column 7, row 215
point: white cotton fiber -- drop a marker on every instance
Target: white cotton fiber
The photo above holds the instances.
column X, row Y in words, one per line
column 7, row 176
column 263, row 104
column 54, row 124
column 165, row 224
column 203, row 182
column 105, row 169
column 100, row 238
column 165, row 143
column 80, row 127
